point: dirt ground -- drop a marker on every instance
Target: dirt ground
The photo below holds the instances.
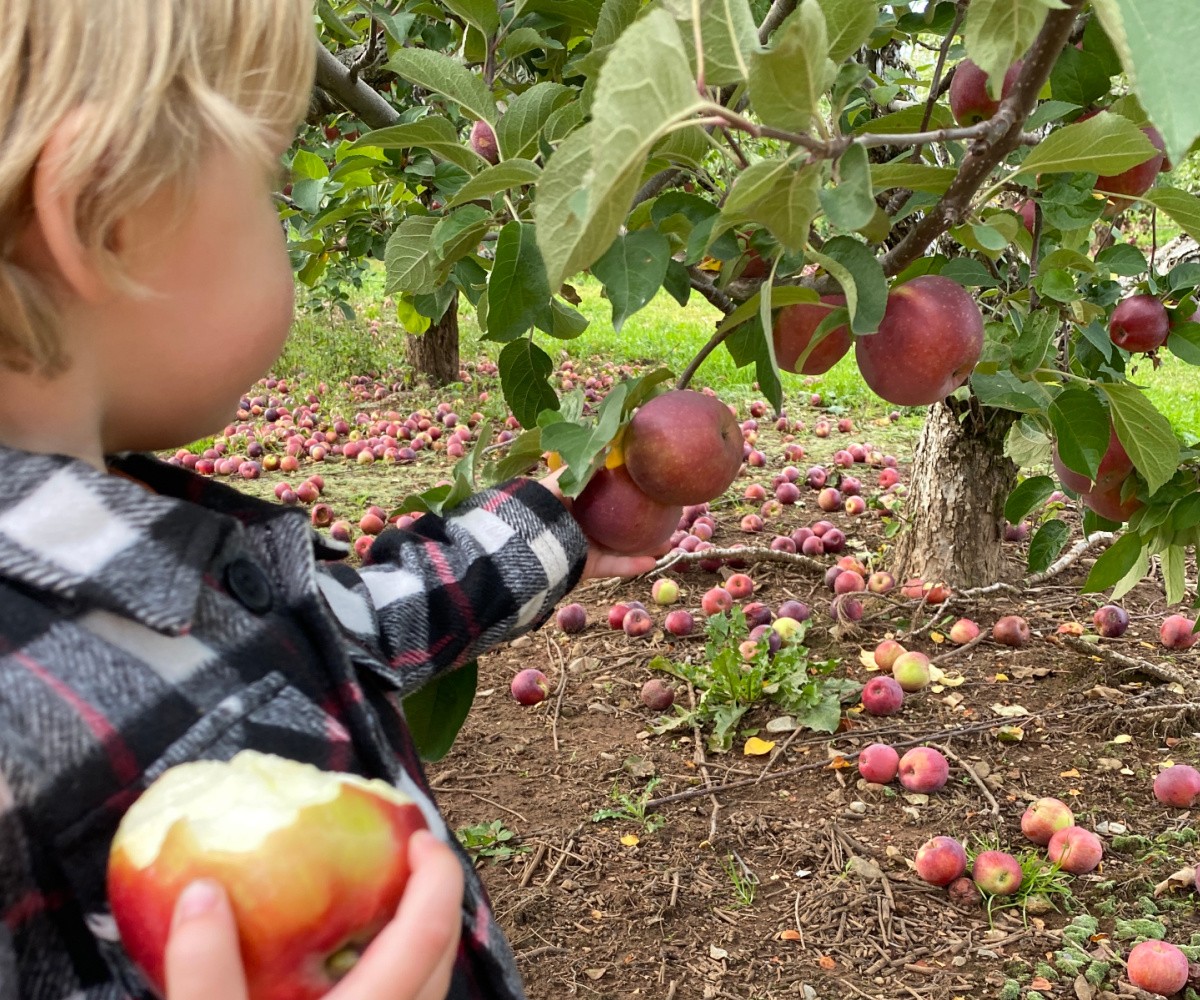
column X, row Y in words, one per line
column 797, row 879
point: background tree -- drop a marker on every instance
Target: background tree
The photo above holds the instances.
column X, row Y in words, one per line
column 765, row 154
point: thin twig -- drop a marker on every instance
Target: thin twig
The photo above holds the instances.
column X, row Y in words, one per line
column 987, row 792
column 935, row 85
column 1162, row 671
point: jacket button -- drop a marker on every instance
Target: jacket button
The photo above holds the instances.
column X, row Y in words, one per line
column 249, row 584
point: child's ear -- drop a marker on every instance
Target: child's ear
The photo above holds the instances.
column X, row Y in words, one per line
column 55, row 215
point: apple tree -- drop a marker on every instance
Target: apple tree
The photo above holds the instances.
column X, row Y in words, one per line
column 950, row 189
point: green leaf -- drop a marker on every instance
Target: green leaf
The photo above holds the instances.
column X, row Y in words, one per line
column 614, row 17
column 788, row 80
column 409, row 259
column 1114, row 564
column 436, row 712
column 1029, row 350
column 729, row 38
column 1047, row 543
column 1182, row 207
column 434, row 133
column 1007, row 392
column 767, row 367
column 492, row 180
column 1106, row 144
column 561, row 321
column 1144, row 432
column 850, row 203
column 459, row 233
column 1173, row 560
column 632, row 271
column 754, row 183
column 785, row 295
column 1078, row 78
column 789, row 208
column 483, row 14
column 913, row 176
column 1122, row 259
column 448, row 77
column 998, row 32
column 519, row 127
column 1082, row 429
column 1157, row 41
column 1027, row 444
column 525, row 371
column 907, row 121
column 1184, row 342
column 1033, row 492
column 848, row 23
column 517, row 289
column 645, row 87
column 862, row 279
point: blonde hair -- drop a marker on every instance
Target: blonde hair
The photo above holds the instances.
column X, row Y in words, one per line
column 162, row 82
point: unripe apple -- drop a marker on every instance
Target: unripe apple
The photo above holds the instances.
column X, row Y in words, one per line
column 716, row 600
column 911, row 671
column 878, row 763
column 679, row 623
column 254, row 824
column 1139, row 324
column 1157, row 967
column 572, row 618
column 788, row 628
column 665, row 591
column 1075, row 850
column 997, row 873
column 963, row 631
column 1044, row 818
column 881, row 696
column 941, row 860
column 923, row 769
column 657, row 695
column 1011, row 630
column 1177, row 786
column 1111, row 621
column 1176, row 632
column 530, row 687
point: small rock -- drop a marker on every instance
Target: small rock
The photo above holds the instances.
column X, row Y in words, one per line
column 857, row 807
column 569, row 885
column 520, row 642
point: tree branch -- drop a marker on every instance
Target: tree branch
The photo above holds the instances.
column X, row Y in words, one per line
column 1004, row 135
column 718, row 298
column 355, row 95
column 778, row 13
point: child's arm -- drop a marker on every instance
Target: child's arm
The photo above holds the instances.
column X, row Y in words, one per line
column 450, row 588
column 411, row 959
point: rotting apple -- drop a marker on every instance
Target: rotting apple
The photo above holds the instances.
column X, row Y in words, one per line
column 483, row 141
column 657, row 695
column 1111, row 621
column 314, row 864
column 1011, row 630
column 637, row 623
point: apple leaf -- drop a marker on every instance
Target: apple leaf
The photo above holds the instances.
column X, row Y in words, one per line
column 1146, row 434
column 1184, row 342
column 728, row 35
column 517, row 288
column 767, row 367
column 1079, row 78
column 754, row 183
column 850, row 203
column 481, row 14
column 436, row 712
column 1033, row 492
column 518, row 129
column 1027, row 444
column 848, row 23
column 614, row 17
column 1047, row 543
column 1114, row 563
column 788, row 80
column 632, row 271
column 434, row 133
column 459, row 232
column 1082, row 429
column 522, row 455
column 501, row 177
column 409, row 258
column 1004, row 390
column 1157, row 42
column 1182, row 207
column 524, row 376
column 914, row 176
column 998, row 32
column 790, row 206
column 448, row 77
column 1106, row 144
column 1173, row 558
column 862, row 279
column 561, row 321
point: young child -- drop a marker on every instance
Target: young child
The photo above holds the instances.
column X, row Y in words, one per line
column 150, row 617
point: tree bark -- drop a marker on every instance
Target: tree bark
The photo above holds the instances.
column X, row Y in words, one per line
column 955, row 507
column 433, row 355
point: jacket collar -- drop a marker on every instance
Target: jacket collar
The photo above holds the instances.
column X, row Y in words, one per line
column 137, row 543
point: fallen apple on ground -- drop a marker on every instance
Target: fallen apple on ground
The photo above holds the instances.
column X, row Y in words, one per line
column 1157, row 967
column 911, row 671
column 572, row 618
column 1011, row 630
column 1111, row 621
column 878, row 763
column 1075, row 850
column 1177, row 786
column 880, row 695
column 530, row 687
column 314, row 864
column 941, row 860
column 1044, row 818
column 923, row 769
column 1177, row 632
column 997, row 873
column 657, row 695
column 887, row 653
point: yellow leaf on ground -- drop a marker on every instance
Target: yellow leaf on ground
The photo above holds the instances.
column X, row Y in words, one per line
column 1073, row 773
column 867, row 658
column 630, row 840
column 756, row 748
column 1122, row 738
column 937, row 637
column 1000, row 678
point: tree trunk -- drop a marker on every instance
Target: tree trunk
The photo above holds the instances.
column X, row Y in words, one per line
column 955, row 507
column 433, row 355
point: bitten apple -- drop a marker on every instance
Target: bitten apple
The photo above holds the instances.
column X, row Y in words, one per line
column 314, row 864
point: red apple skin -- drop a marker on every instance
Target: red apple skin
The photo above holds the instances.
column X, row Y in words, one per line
column 1136, row 181
column 616, row 615
column 796, row 610
column 928, row 344
column 617, row 515
column 1011, row 630
column 1111, row 621
column 657, row 695
column 997, row 873
column 1075, row 850
column 572, row 618
column 1177, row 786
column 794, row 328
column 1176, row 632
column 887, row 653
column 878, row 763
column 963, row 631
column 637, row 623
column 881, row 582
column 941, row 860
column 923, row 769
column 683, row 447
column 530, row 687
column 483, row 141
column 1139, row 324
column 1044, row 818
column 882, row 696
column 740, row 586
column 716, row 600
column 970, row 101
column 1157, row 967
column 287, row 926
column 679, row 623
column 1115, row 467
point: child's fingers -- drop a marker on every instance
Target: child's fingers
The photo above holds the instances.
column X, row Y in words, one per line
column 202, row 958
column 413, row 956
column 602, row 564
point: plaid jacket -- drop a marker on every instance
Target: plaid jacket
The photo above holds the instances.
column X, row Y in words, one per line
column 141, row 628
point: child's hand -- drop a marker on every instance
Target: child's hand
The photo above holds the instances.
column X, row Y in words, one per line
column 602, row 563
column 410, row 959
